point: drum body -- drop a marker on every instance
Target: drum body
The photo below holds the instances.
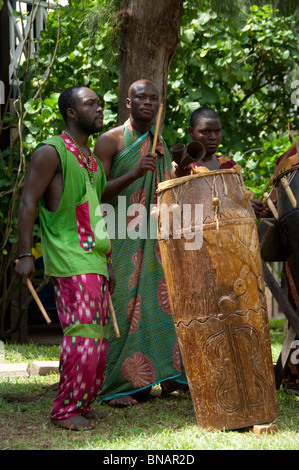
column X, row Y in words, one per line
column 217, row 298
column 288, row 220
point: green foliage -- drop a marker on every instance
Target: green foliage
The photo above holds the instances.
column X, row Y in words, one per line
column 79, row 61
column 35, row 115
column 243, row 63
column 243, row 67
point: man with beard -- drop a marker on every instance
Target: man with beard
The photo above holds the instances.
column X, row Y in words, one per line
column 67, row 181
column 147, row 351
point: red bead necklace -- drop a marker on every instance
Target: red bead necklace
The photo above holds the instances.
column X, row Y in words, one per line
column 90, row 168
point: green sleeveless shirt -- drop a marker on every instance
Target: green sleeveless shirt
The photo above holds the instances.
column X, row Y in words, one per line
column 74, row 237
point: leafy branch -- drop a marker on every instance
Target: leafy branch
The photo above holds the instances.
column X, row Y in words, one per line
column 16, row 173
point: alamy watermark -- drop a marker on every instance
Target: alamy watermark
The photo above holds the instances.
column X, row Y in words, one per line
column 295, row 94
column 2, row 92
column 176, row 222
column 295, row 354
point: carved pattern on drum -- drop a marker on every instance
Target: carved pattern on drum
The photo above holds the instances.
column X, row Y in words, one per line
column 233, row 245
column 222, row 316
column 219, row 306
column 231, row 215
column 224, row 350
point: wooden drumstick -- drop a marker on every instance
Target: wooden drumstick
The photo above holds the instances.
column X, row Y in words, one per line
column 37, row 299
column 289, row 192
column 112, row 312
column 281, row 167
column 157, row 128
column 271, row 205
column 246, row 197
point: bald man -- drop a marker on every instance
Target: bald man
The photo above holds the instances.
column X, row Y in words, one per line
column 147, row 351
column 143, row 101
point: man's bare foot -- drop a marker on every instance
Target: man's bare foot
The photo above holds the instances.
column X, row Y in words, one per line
column 124, row 400
column 75, row 423
column 93, row 414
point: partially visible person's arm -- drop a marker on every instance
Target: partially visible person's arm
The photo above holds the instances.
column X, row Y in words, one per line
column 106, row 149
column 177, row 172
column 112, row 280
column 43, row 167
column 261, row 209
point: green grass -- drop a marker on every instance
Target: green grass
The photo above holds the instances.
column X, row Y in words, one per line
column 277, row 336
column 16, row 353
column 159, row 424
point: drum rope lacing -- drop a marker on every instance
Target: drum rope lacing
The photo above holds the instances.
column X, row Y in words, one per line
column 179, row 192
column 215, row 198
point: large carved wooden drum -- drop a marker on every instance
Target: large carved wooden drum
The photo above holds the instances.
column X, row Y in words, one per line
column 211, row 257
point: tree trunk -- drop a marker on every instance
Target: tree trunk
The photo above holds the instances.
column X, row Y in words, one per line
column 148, row 39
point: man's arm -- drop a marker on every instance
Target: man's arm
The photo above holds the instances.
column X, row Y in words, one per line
column 44, row 165
column 106, row 148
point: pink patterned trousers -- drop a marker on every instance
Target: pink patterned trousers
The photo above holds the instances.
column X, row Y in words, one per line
column 82, row 305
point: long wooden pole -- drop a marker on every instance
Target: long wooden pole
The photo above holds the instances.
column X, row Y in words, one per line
column 157, row 128
column 37, row 299
column 271, row 205
column 113, row 317
column 43, row 311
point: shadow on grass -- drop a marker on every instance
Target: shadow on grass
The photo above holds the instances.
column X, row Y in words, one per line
column 158, row 423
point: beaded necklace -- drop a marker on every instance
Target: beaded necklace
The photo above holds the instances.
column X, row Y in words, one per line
column 90, row 168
